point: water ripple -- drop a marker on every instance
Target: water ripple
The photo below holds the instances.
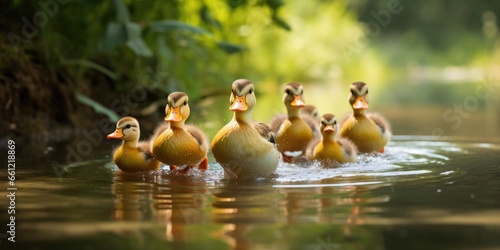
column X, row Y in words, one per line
column 400, row 159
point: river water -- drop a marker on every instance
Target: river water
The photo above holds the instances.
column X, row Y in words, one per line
column 420, row 194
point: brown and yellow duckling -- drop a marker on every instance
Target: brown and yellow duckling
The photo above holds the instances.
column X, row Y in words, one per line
column 245, row 148
column 133, row 155
column 309, row 113
column 295, row 131
column 369, row 132
column 312, row 111
column 330, row 150
column 181, row 144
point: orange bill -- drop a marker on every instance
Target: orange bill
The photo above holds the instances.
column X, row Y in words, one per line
column 117, row 134
column 173, row 114
column 239, row 104
column 329, row 129
column 297, row 101
column 360, row 103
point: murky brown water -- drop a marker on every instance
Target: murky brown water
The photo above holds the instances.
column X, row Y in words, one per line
column 419, row 195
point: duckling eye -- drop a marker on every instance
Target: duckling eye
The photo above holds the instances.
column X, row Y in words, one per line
column 288, row 92
column 366, row 92
column 302, row 92
column 335, row 122
column 323, row 123
column 250, row 91
column 128, row 126
column 185, row 103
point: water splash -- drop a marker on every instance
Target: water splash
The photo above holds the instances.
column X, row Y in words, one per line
column 400, row 159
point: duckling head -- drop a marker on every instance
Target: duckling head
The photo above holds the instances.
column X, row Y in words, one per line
column 358, row 98
column 312, row 111
column 242, row 99
column 177, row 110
column 127, row 129
column 293, row 99
column 329, row 126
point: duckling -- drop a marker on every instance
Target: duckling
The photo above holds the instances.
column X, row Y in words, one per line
column 132, row 155
column 309, row 113
column 330, row 150
column 312, row 111
column 180, row 144
column 294, row 132
column 245, row 148
column 370, row 132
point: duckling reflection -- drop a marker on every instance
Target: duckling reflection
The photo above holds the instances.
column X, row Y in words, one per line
column 130, row 193
column 183, row 200
column 172, row 201
column 242, row 207
column 340, row 209
column 349, row 205
column 133, row 194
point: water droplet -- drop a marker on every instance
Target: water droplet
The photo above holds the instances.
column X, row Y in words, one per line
column 439, row 190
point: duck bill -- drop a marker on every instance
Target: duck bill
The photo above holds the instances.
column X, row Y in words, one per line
column 297, row 101
column 116, row 135
column 360, row 103
column 174, row 114
column 239, row 104
column 329, row 129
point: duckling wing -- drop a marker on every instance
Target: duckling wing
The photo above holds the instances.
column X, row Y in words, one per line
column 145, row 147
column 265, row 131
column 276, row 121
column 200, row 137
column 381, row 122
column 348, row 146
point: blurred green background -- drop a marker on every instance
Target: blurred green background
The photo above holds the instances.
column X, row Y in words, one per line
column 432, row 66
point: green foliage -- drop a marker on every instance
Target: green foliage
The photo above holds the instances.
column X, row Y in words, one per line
column 230, row 48
column 164, row 26
column 98, row 108
column 198, row 46
column 91, row 65
column 185, row 42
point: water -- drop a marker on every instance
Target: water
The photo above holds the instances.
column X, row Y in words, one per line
column 421, row 194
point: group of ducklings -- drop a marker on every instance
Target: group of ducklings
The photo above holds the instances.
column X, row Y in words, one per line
column 244, row 147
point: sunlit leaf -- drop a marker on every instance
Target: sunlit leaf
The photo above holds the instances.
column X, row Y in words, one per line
column 230, row 48
column 135, row 41
column 98, row 108
column 122, row 14
column 115, row 35
column 169, row 25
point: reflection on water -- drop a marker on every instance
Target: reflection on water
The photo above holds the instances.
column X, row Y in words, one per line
column 420, row 193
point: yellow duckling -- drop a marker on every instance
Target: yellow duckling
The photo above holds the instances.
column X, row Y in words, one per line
column 294, row 132
column 369, row 132
column 330, row 150
column 309, row 113
column 242, row 147
column 132, row 155
column 181, row 144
